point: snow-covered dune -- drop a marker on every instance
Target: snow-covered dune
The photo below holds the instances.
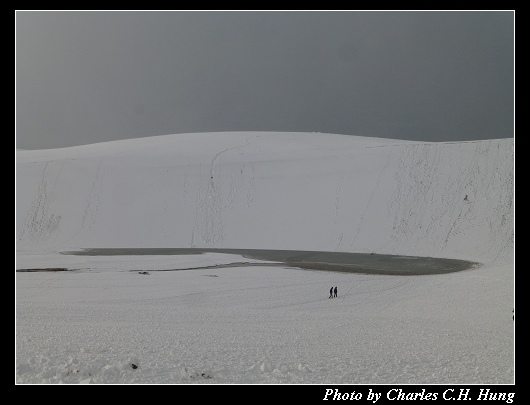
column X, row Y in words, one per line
column 261, row 190
column 222, row 320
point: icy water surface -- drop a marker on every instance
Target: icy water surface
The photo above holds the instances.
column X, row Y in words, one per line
column 370, row 263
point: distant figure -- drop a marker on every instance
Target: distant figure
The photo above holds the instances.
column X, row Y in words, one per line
column 331, row 292
column 335, row 291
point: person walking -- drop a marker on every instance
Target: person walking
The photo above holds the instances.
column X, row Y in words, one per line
column 335, row 291
column 331, row 292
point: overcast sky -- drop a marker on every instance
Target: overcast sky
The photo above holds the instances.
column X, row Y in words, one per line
column 91, row 76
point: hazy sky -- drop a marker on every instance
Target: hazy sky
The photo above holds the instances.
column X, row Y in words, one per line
column 91, row 76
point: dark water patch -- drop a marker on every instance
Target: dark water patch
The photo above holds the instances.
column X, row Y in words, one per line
column 369, row 263
column 51, row 269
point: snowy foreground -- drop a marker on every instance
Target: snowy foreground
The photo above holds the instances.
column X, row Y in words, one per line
column 263, row 325
column 152, row 320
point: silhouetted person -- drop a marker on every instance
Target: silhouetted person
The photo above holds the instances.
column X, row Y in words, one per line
column 331, row 292
column 335, row 291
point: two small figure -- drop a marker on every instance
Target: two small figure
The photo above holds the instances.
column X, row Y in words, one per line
column 332, row 292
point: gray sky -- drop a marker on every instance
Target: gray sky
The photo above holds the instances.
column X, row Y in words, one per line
column 84, row 77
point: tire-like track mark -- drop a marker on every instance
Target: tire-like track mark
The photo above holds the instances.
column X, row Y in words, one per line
column 40, row 224
column 370, row 199
column 337, row 206
column 212, row 205
column 94, row 199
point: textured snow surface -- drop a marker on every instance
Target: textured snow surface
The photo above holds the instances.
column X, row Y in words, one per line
column 127, row 319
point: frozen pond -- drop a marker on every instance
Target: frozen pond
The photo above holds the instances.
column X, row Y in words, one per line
column 370, row 263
